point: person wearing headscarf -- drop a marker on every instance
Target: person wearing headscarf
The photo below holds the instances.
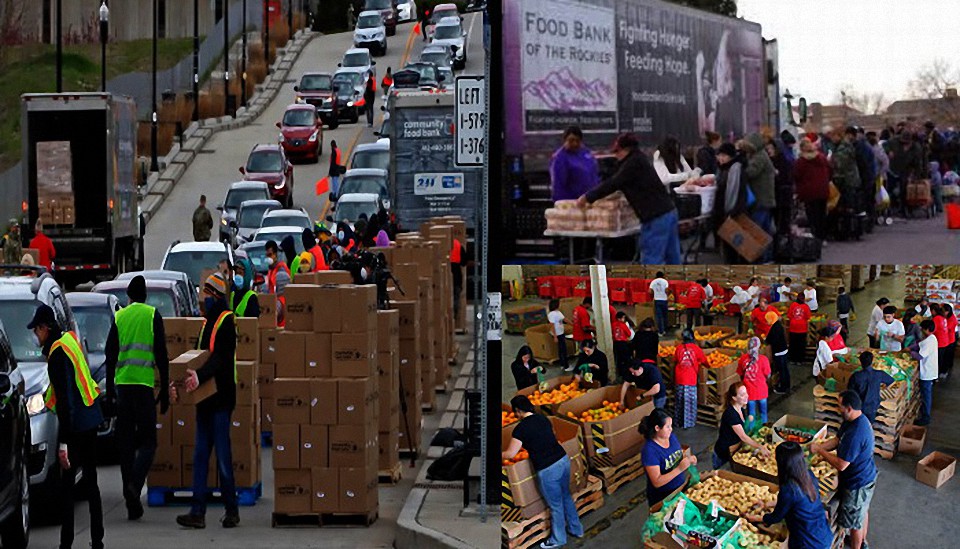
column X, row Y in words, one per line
column 754, row 369
column 688, row 359
column 525, row 368
column 836, row 343
column 289, row 250
column 245, row 303
column 383, row 241
column 304, row 262
column 310, row 245
column 777, row 340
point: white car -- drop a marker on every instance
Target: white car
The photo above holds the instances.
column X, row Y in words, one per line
column 197, row 259
column 358, row 58
column 449, row 32
column 286, row 218
column 350, row 206
column 407, row 10
column 277, row 234
column 370, row 32
column 439, row 55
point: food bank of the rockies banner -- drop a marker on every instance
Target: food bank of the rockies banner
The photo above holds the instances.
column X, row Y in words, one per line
column 643, row 66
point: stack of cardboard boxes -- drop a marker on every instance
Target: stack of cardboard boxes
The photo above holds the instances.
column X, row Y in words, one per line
column 176, row 431
column 326, row 415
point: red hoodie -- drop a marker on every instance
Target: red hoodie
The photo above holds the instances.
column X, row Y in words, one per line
column 812, row 178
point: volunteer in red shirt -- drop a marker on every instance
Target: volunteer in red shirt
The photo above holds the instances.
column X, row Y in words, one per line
column 836, row 342
column 622, row 330
column 799, row 316
column 582, row 329
column 951, row 337
column 688, row 358
column 694, row 303
column 943, row 338
column 44, row 246
column 754, row 369
column 759, row 318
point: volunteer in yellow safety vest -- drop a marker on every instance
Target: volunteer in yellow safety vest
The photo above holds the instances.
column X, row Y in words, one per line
column 73, row 396
column 244, row 301
column 135, row 347
column 219, row 336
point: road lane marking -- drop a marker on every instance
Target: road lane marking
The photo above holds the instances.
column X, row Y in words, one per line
column 406, row 51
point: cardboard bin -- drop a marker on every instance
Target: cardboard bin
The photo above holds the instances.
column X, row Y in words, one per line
column 936, row 468
column 617, row 439
column 540, row 339
column 800, row 422
column 745, row 236
column 912, row 438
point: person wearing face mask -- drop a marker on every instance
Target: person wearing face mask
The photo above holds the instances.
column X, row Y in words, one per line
column 811, row 173
column 245, row 303
column 136, row 345
column 74, row 397
column 219, row 336
column 278, row 276
column 310, row 245
column 345, row 237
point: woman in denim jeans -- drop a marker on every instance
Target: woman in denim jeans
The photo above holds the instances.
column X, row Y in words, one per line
column 535, row 433
column 754, row 369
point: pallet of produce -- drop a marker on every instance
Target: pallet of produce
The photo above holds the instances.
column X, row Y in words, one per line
column 711, row 336
column 748, row 462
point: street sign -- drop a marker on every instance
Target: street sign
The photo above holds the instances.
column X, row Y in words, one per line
column 471, row 121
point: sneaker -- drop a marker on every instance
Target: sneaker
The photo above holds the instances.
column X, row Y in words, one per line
column 572, row 535
column 134, row 509
column 192, row 521
column 779, row 391
column 548, row 545
column 230, row 520
column 568, row 369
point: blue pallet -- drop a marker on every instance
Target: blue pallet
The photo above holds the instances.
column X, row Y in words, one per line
column 266, row 439
column 158, row 496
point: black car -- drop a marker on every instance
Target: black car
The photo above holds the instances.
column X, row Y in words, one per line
column 345, row 97
column 15, row 433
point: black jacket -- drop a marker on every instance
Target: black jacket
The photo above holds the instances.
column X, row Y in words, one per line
column 72, row 415
column 640, row 184
column 523, row 376
column 162, row 361
column 220, row 365
column 646, row 344
column 777, row 338
column 844, row 304
column 707, row 160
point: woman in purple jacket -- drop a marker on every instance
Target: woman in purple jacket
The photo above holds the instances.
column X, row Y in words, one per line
column 573, row 169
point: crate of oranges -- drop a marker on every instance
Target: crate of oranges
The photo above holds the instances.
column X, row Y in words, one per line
column 711, row 336
column 610, row 429
column 737, row 343
column 721, row 364
column 555, row 391
column 519, row 487
column 507, row 416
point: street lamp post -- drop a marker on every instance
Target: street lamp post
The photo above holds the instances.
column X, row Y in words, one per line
column 196, row 60
column 226, row 58
column 104, row 31
column 154, row 165
column 266, row 45
column 289, row 19
column 59, row 48
column 243, row 57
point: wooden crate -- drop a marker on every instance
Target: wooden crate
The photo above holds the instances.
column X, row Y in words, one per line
column 528, row 533
column 616, row 476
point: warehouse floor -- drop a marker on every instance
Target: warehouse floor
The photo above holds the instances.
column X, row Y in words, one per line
column 904, row 512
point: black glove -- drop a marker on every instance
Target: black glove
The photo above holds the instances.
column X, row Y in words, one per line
column 109, row 407
column 164, row 400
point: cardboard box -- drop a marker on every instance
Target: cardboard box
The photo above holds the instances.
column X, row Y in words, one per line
column 389, row 449
column 246, row 465
column 69, row 215
column 551, row 384
column 186, row 477
column 291, row 401
column 800, row 422
column 314, row 308
column 266, row 415
column 268, row 310
column 313, row 446
column 286, row 446
column 323, row 277
column 541, row 342
column 745, row 236
column 409, row 317
column 300, row 306
column 289, row 353
column 247, row 373
column 191, row 360
column 359, row 308
column 244, row 430
column 164, row 429
column 182, row 334
column 358, row 490
column 183, row 425
column 326, row 487
column 388, row 330
column 268, row 345
column 356, row 401
column 318, row 355
column 353, row 444
column 612, row 438
column 292, row 491
column 248, row 339
column 521, row 488
column 354, row 355
column 266, row 374
column 165, row 469
column 323, row 401
column 407, row 274
column 912, row 438
column 936, row 468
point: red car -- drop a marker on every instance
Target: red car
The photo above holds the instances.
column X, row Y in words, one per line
column 301, row 132
column 269, row 164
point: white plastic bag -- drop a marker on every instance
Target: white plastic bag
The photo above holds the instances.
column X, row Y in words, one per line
column 883, row 198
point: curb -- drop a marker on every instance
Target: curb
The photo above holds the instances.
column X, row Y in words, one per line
column 175, row 163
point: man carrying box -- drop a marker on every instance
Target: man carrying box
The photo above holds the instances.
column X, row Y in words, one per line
column 135, row 346
column 219, row 336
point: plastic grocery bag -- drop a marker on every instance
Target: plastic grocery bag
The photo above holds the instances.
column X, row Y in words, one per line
column 694, row 475
column 834, row 197
column 883, row 198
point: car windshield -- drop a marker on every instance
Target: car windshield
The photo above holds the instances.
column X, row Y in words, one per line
column 344, row 88
column 278, row 237
column 440, row 14
column 251, row 216
column 300, row 117
column 236, row 197
column 350, row 211
column 15, row 315
column 264, row 161
column 379, row 159
column 286, row 221
column 258, row 256
column 446, row 73
column 356, row 59
column 163, row 301
column 315, row 82
column 371, row 21
column 378, row 4
column 194, row 263
column 427, row 72
column 436, row 57
column 362, row 184
column 352, row 78
column 447, row 31
column 94, row 324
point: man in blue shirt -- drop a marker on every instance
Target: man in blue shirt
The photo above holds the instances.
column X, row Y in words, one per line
column 866, row 383
column 854, row 461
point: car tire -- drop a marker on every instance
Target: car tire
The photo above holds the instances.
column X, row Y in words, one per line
column 15, row 531
column 319, row 153
column 355, row 117
column 334, row 124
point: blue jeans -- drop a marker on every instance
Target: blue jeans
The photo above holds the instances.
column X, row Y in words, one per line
column 660, row 309
column 659, row 240
column 334, row 185
column 554, row 484
column 926, row 402
column 717, row 462
column 764, row 218
column 213, row 431
column 660, row 402
column 752, row 410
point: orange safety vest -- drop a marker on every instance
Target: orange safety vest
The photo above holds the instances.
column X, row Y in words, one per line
column 387, row 81
column 89, row 390
column 272, row 287
column 338, row 156
column 455, row 252
column 213, row 338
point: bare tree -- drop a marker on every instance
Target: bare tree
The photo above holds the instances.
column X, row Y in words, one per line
column 932, row 82
column 862, row 101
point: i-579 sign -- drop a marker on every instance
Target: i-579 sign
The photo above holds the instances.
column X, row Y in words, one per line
column 471, row 121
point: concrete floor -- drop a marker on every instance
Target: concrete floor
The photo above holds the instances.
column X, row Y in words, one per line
column 904, row 512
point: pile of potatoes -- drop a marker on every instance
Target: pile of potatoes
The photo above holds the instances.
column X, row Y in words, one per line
column 738, row 498
column 751, row 537
column 821, row 469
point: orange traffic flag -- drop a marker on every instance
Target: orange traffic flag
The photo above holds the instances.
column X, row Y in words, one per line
column 322, row 186
column 416, row 28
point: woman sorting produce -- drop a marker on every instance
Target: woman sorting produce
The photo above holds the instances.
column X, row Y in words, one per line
column 662, row 457
column 732, row 435
column 754, row 369
column 526, row 370
column 689, row 357
column 645, row 376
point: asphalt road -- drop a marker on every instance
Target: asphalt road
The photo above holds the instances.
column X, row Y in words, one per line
column 217, row 166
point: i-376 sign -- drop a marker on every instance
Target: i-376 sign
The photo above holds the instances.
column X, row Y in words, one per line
column 471, row 121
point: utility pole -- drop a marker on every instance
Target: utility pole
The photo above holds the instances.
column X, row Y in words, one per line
column 196, row 60
column 226, row 58
column 59, row 47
